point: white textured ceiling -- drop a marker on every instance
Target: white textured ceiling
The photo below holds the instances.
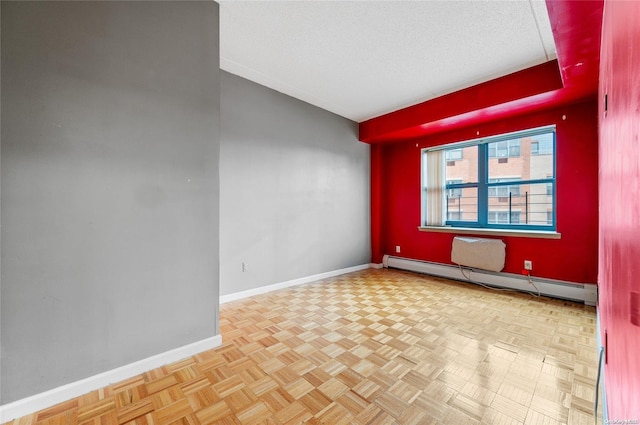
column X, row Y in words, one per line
column 361, row 59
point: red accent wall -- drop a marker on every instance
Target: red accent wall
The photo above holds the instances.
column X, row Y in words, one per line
column 396, row 173
column 619, row 237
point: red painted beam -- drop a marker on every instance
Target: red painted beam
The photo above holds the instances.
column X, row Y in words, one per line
column 377, row 219
column 415, row 120
column 576, row 27
column 577, row 31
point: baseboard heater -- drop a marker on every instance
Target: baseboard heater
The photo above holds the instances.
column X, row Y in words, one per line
column 586, row 293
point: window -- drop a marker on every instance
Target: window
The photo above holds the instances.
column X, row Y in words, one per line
column 504, row 149
column 504, row 217
column 542, row 145
column 453, row 154
column 453, row 194
column 486, row 191
column 504, row 191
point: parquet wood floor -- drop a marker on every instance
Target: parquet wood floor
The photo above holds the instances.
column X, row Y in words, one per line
column 372, row 347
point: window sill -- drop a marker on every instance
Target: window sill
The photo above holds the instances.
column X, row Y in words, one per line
column 495, row 232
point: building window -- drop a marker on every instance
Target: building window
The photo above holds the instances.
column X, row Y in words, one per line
column 456, row 193
column 504, row 191
column 542, row 145
column 453, row 154
column 504, row 149
column 504, row 217
column 485, row 192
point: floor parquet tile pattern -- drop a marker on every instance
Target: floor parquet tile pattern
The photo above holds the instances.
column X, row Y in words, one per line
column 377, row 347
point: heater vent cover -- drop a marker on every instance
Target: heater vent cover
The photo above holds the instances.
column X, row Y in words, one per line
column 478, row 253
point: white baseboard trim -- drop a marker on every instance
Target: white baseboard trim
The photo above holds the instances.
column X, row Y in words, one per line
column 586, row 293
column 66, row 392
column 295, row 282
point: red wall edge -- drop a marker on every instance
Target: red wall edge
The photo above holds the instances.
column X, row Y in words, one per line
column 396, row 168
column 619, row 227
column 376, row 204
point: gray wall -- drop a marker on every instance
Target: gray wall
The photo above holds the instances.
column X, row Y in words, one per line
column 294, row 189
column 110, row 191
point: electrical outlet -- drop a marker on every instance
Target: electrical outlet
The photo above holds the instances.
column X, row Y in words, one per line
column 528, row 265
column 397, row 248
column 245, row 267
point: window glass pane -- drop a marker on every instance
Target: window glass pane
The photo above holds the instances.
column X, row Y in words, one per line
column 528, row 158
column 518, row 189
column 539, row 204
column 530, row 206
column 464, row 170
column 463, row 207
